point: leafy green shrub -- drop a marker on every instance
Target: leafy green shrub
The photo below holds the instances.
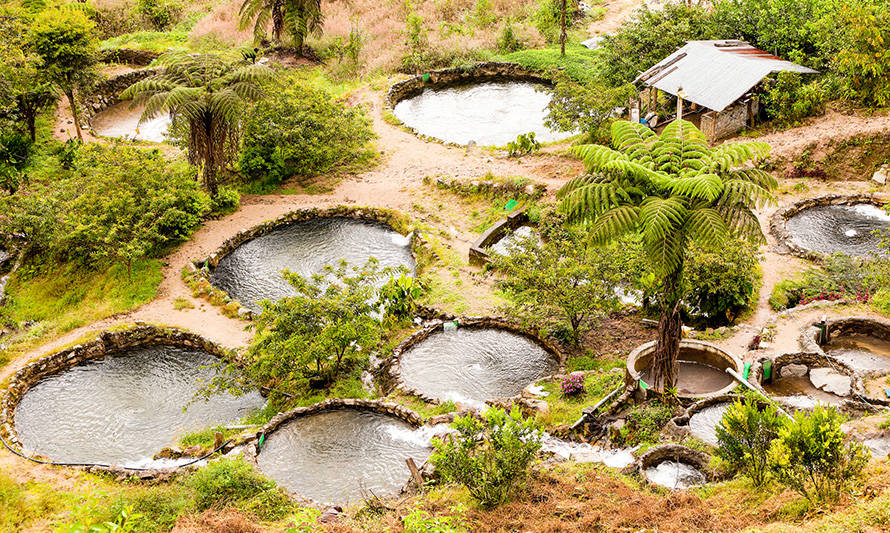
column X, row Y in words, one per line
column 790, row 99
column 491, row 457
column 117, row 204
column 814, row 457
column 226, row 201
column 508, row 41
column 841, row 276
column 586, row 107
column 525, row 143
column 159, row 13
column 302, row 131
column 744, row 437
column 644, row 423
column 418, row 521
column 232, row 482
column 158, row 508
column 548, row 17
column 400, row 296
column 720, row 284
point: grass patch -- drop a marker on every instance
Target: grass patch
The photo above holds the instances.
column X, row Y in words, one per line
column 205, row 438
column 234, row 483
column 154, row 41
column 424, row 409
column 566, row 409
column 579, row 63
column 181, row 303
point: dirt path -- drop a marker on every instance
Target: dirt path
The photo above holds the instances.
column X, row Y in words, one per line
column 616, row 13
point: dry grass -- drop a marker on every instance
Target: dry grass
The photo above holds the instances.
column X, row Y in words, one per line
column 221, row 24
column 211, row 521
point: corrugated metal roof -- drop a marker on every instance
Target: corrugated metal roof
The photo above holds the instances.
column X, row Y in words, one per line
column 714, row 74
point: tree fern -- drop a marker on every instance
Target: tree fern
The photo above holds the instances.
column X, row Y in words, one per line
column 672, row 189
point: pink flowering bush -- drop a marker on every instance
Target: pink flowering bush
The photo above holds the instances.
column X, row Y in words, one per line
column 572, row 385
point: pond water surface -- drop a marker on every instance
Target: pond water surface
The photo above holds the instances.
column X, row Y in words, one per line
column 252, row 271
column 863, row 353
column 342, row 456
column 123, row 409
column 122, row 120
column 489, row 113
column 847, row 229
column 474, row 364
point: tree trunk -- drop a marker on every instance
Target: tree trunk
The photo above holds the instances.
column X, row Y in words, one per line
column 31, row 119
column 562, row 33
column 210, row 160
column 70, row 94
column 670, row 329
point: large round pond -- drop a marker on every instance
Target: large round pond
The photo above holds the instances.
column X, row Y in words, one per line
column 123, row 409
column 701, row 368
column 848, row 229
column 490, row 113
column 474, row 364
column 252, row 271
column 342, row 456
column 123, row 120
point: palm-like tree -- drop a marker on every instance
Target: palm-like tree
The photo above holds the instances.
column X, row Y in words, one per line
column 209, row 92
column 672, row 189
column 299, row 18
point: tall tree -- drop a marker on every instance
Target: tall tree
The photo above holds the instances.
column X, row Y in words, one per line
column 299, row 18
column 562, row 28
column 209, row 93
column 672, row 189
column 64, row 39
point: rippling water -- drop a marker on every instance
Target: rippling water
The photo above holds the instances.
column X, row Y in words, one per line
column 703, row 424
column 510, row 243
column 253, row 270
column 332, row 457
column 490, row 113
column 474, row 364
column 122, row 120
column 839, row 228
column 675, row 475
column 124, row 409
column 863, row 353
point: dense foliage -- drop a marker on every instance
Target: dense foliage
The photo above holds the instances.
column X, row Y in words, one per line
column 813, row 456
column 744, row 437
column 327, row 327
column 115, row 203
column 491, row 457
column 720, row 283
column 298, row 130
column 840, row 277
column 559, row 282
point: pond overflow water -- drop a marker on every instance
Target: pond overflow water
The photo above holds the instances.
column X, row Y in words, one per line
column 675, row 475
column 252, row 271
column 123, row 409
column 488, row 113
column 470, row 365
column 839, row 228
column 123, row 120
column 342, row 456
column 703, row 424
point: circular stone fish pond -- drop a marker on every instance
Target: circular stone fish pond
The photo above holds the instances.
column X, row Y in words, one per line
column 702, row 368
column 342, row 455
column 489, row 104
column 844, row 225
column 472, row 362
column 252, row 270
column 123, row 408
column 123, row 120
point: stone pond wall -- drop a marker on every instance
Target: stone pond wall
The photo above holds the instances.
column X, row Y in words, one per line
column 721, row 359
column 108, row 343
column 203, row 267
column 675, row 452
column 783, row 236
column 128, row 56
column 487, row 71
column 392, row 374
column 106, row 93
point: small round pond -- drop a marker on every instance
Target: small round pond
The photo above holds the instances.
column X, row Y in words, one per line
column 252, row 271
column 342, row 456
column 702, row 368
column 122, row 409
column 473, row 364
column 123, row 120
column 490, row 113
column 849, row 229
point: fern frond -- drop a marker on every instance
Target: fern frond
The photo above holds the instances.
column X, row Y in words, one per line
column 595, row 156
column 614, row 223
column 745, row 193
column 705, row 186
column 754, row 175
column 661, row 216
column 587, row 202
column 707, row 226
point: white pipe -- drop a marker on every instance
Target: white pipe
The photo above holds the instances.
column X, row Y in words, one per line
column 745, row 382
